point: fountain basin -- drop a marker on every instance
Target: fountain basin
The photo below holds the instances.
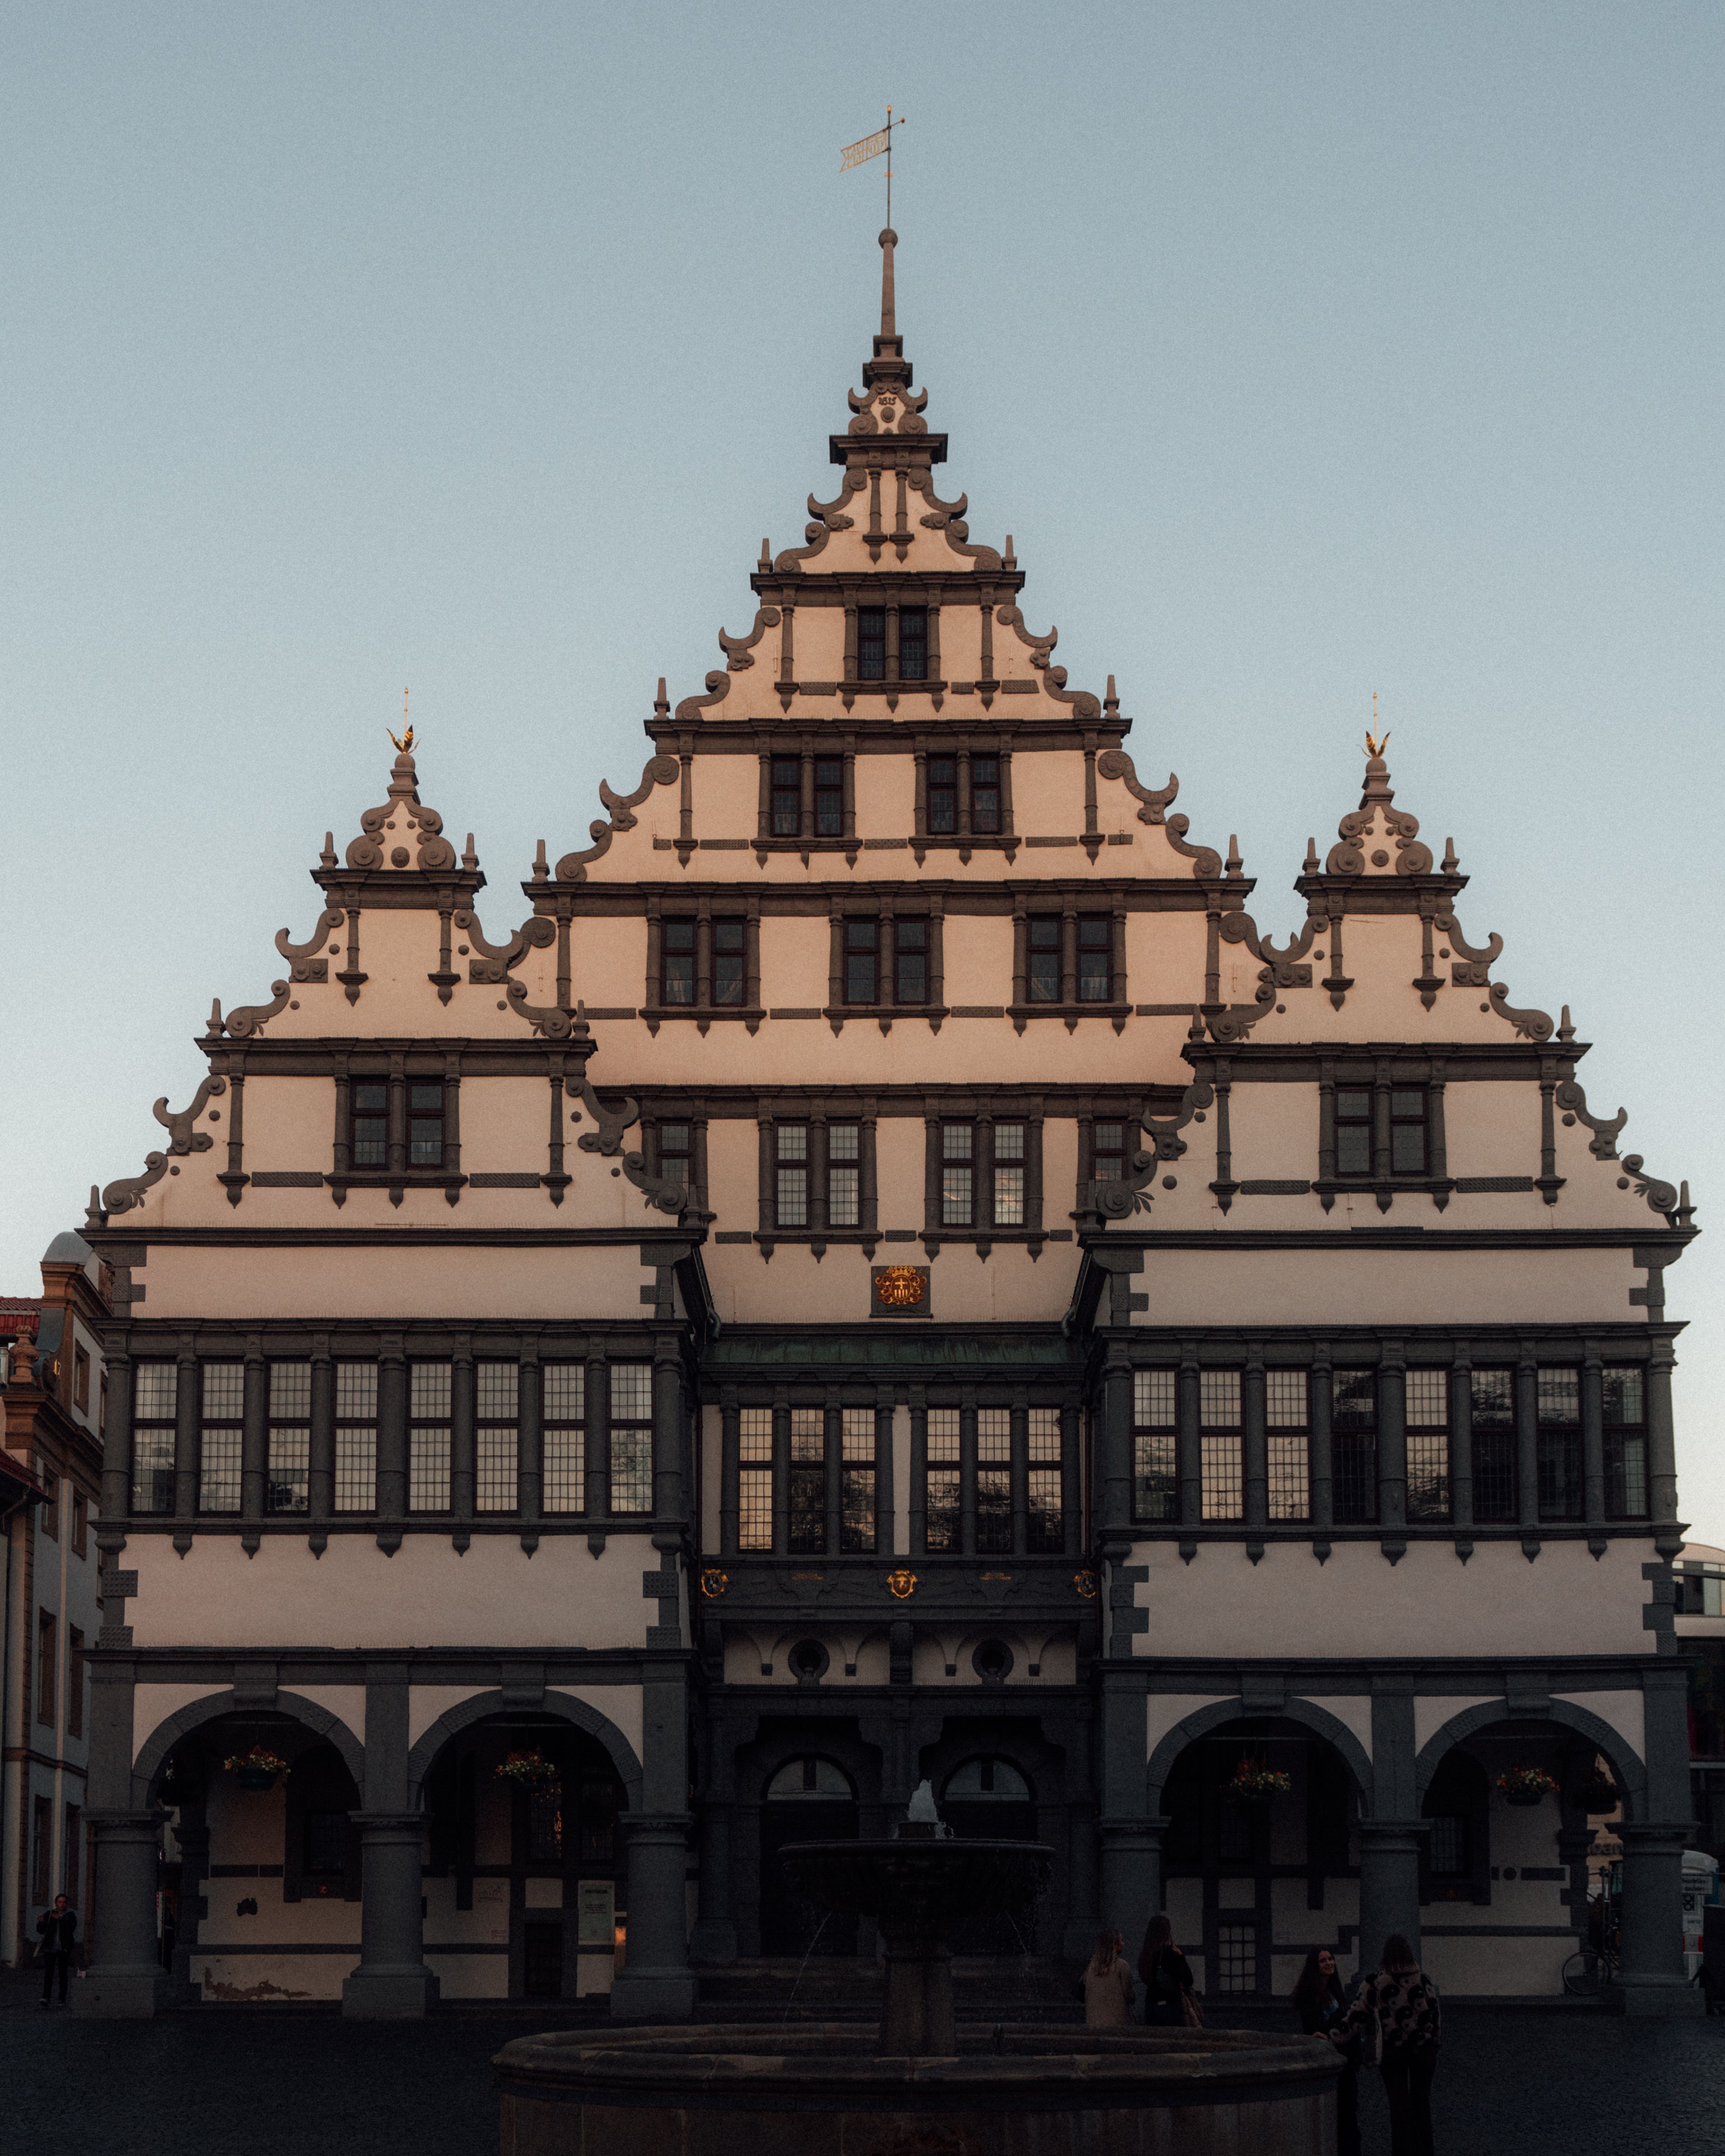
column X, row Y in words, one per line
column 1012, row 2090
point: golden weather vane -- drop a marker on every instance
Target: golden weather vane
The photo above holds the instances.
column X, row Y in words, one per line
column 878, row 144
column 1375, row 748
column 405, row 744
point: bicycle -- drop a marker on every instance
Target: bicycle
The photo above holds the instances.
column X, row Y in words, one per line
column 1590, row 1972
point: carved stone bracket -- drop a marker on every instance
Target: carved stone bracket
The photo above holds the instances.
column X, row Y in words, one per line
column 1531, row 1025
column 310, row 961
column 496, row 961
column 658, row 771
column 1573, row 1100
column 1672, row 1201
column 181, row 1137
column 1083, row 704
column 739, row 650
column 1155, row 802
column 1473, row 969
column 1130, row 1193
column 246, row 1023
column 826, row 517
column 606, row 1139
column 947, row 517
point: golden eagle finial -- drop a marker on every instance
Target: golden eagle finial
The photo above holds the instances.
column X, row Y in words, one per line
column 405, row 742
column 1375, row 748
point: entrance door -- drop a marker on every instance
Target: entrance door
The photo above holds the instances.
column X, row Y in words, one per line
column 808, row 1799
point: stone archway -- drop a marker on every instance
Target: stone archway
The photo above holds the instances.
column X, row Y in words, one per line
column 152, row 1755
column 1232, row 1869
column 487, row 1705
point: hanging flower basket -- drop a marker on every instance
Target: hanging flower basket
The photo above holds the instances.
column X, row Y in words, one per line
column 256, row 1769
column 1525, row 1785
column 532, row 1770
column 1256, row 1782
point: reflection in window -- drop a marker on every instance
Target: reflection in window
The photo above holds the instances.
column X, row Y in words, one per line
column 941, row 1501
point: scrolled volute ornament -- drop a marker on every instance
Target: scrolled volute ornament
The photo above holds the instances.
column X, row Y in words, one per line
column 181, row 1137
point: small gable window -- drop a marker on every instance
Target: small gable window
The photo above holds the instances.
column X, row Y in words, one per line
column 425, row 1124
column 786, row 796
column 913, row 644
column 679, row 952
column 371, row 1125
column 871, row 644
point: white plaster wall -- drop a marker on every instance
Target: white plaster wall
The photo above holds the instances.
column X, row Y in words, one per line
column 1431, row 1715
column 1386, row 1285
column 427, row 1702
column 289, row 1123
column 506, row 1124
column 1625, row 1712
column 1352, row 1712
column 367, row 1281
column 347, row 1702
column 1048, row 800
column 1221, row 1604
column 354, row 1596
column 885, row 803
column 620, row 1704
column 1167, row 1711
column 151, row 1704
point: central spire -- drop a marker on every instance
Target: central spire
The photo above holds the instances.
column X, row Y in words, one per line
column 889, row 365
column 889, row 240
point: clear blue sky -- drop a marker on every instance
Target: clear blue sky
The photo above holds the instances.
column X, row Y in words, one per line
column 1305, row 351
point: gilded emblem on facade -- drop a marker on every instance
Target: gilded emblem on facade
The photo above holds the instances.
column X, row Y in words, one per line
column 1085, row 1583
column 901, row 1584
column 900, row 1290
column 714, row 1583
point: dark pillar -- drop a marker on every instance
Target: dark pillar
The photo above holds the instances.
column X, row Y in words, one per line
column 126, row 1980
column 1651, row 1972
column 1390, row 1840
column 1131, row 1881
column 392, row 1982
column 657, row 1984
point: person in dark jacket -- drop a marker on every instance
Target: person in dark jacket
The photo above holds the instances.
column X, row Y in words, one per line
column 1166, row 1975
column 1405, row 2001
column 1319, row 2002
column 58, row 1930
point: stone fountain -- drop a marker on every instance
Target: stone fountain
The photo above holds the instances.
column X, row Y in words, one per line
column 924, row 2085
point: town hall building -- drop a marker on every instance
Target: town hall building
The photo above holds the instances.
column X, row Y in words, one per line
column 877, row 1268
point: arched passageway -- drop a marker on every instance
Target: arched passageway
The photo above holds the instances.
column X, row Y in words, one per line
column 525, row 1875
column 1255, row 1876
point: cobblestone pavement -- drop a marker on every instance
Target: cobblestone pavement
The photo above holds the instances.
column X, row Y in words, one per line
column 1513, row 2083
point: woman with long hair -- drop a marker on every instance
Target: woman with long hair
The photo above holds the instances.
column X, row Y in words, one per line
column 1319, row 2002
column 1108, row 1985
column 1405, row 2000
column 1167, row 1974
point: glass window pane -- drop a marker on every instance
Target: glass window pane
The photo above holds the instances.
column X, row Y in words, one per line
column 842, row 1141
column 794, row 1197
column 793, row 1142
column 1221, row 1474
column 808, row 1434
column 956, row 1142
column 943, row 1433
column 1289, row 1473
column 955, row 1198
column 631, row 1392
column 565, row 1470
column 1353, row 1150
column 993, row 1434
column 755, row 1434
column 289, row 1470
column 1285, row 1400
column 843, row 1205
column 1428, row 1399
column 1008, row 1198
column 1044, row 1436
column 1219, row 1399
column 1153, row 1397
column 1009, row 1141
column 1623, row 1394
column 224, row 1390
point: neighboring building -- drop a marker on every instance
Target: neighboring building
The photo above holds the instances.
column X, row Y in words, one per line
column 888, row 1271
column 1701, row 1633
column 51, row 1396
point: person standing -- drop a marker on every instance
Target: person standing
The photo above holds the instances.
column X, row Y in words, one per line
column 1405, row 2001
column 1167, row 1978
column 1319, row 2002
column 1108, row 1985
column 58, row 1930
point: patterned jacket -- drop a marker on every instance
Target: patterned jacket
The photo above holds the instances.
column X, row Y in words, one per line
column 1406, row 2006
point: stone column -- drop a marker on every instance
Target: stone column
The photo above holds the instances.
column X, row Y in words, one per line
column 1388, row 1885
column 126, row 1980
column 1390, row 1841
column 392, row 1982
column 657, row 1984
column 1130, row 1875
column 1651, row 1970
